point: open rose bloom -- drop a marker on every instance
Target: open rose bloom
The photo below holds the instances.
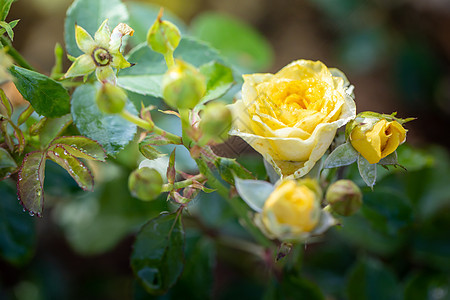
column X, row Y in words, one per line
column 291, row 117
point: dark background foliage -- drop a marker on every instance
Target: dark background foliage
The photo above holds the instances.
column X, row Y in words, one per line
column 396, row 53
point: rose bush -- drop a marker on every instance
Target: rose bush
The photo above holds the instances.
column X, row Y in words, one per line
column 291, row 117
column 292, row 210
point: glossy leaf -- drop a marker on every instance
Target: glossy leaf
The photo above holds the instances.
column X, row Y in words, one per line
column 76, row 169
column 30, row 183
column 146, row 76
column 81, row 147
column 18, row 236
column 254, row 192
column 343, row 155
column 219, row 80
column 367, row 171
column 112, row 132
column 142, row 17
column 157, row 258
column 238, row 42
column 7, row 164
column 90, row 14
column 48, row 97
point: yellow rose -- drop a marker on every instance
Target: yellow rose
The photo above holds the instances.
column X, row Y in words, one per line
column 291, row 117
column 292, row 210
column 377, row 141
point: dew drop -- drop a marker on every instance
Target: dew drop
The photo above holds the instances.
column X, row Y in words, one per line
column 31, row 214
column 23, row 209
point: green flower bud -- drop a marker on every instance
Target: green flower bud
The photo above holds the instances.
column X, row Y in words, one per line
column 145, row 183
column 183, row 86
column 344, row 197
column 215, row 122
column 163, row 36
column 111, row 99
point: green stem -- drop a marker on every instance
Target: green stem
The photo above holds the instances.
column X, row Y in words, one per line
column 151, row 127
column 169, row 60
column 136, row 120
column 18, row 58
column 182, row 184
column 186, row 127
column 175, row 139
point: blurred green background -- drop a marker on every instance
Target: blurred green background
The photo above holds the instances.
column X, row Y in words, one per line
column 395, row 53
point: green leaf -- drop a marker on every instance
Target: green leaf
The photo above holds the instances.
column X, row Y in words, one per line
column 148, row 151
column 142, row 17
column 52, row 128
column 293, row 287
column 7, row 27
column 370, row 280
column 391, row 159
column 242, row 45
column 367, row 171
column 254, row 192
column 6, row 108
column 48, row 97
column 146, row 76
column 17, row 230
column 5, row 6
column 76, row 169
column 81, row 147
column 343, row 155
column 229, row 168
column 7, row 164
column 109, row 130
column 90, row 14
column 157, row 258
column 197, row 280
column 219, row 80
column 30, row 183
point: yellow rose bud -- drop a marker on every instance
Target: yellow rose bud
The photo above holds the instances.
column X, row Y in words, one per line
column 292, row 211
column 291, row 117
column 111, row 99
column 215, row 122
column 183, row 86
column 378, row 141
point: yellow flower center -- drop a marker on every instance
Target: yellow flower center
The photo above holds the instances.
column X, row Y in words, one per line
column 303, row 104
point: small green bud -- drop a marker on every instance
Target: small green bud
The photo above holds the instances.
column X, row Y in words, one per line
column 145, row 183
column 183, row 86
column 111, row 99
column 215, row 122
column 344, row 197
column 163, row 37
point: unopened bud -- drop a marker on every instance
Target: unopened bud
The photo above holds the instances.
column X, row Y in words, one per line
column 215, row 122
column 163, row 36
column 183, row 86
column 145, row 183
column 344, row 197
column 111, row 99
